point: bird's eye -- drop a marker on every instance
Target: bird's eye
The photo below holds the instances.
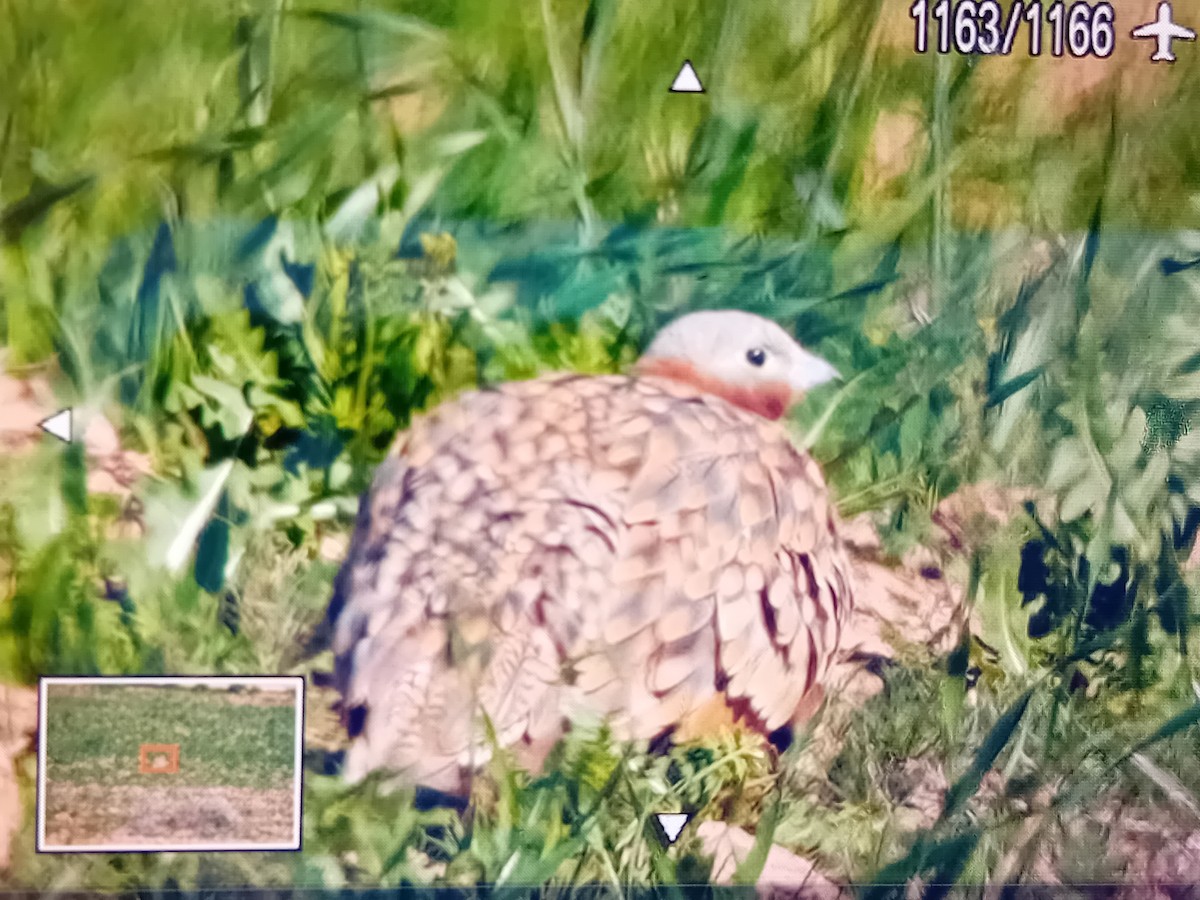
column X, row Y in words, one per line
column 756, row 356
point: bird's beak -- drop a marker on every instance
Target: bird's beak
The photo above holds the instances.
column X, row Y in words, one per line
column 810, row 371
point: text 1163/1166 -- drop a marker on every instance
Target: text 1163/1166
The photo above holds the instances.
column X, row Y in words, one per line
column 969, row 27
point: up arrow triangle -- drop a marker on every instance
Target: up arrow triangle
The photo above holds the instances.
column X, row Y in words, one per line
column 687, row 81
column 672, row 824
column 58, row 425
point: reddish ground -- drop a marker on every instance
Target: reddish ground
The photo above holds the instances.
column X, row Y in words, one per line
column 89, row 814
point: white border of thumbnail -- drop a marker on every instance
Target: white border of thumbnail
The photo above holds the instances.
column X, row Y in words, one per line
column 209, row 680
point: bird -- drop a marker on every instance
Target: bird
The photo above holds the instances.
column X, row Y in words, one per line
column 645, row 551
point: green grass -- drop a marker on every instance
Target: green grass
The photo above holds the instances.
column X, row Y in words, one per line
column 93, row 735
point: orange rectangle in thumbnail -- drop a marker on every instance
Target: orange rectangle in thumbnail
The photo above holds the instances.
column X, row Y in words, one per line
column 158, row 758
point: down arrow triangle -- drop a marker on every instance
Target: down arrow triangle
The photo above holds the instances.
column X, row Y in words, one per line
column 672, row 824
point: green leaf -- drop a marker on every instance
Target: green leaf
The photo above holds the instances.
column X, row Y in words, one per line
column 964, row 789
column 1178, row 723
column 176, row 515
column 228, row 407
column 533, row 868
column 74, row 477
column 34, row 206
column 213, row 149
column 1002, row 392
column 733, row 173
column 1083, row 497
column 946, row 857
column 913, row 426
column 212, row 555
column 750, row 868
column 372, row 22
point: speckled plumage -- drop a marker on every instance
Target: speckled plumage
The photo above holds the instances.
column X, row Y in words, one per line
column 579, row 547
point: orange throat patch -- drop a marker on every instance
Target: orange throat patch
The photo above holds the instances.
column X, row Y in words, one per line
column 769, row 400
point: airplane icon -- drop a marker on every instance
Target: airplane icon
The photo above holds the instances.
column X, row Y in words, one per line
column 1164, row 30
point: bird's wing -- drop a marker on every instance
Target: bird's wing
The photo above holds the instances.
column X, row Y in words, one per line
column 485, row 535
column 730, row 579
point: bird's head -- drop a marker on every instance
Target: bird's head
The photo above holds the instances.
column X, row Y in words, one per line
column 743, row 358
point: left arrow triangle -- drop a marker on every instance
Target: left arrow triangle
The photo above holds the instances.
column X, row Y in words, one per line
column 58, row 425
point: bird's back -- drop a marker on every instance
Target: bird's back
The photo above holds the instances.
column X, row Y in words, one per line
column 582, row 547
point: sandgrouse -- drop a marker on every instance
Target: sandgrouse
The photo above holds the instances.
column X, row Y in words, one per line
column 648, row 550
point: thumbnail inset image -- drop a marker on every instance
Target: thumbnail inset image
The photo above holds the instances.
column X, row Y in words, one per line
column 157, row 764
